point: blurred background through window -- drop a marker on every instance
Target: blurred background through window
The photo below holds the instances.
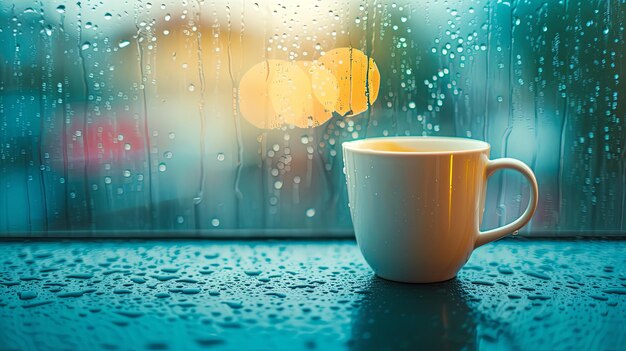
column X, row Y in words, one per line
column 213, row 116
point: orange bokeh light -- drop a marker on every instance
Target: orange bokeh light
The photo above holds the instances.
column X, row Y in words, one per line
column 350, row 67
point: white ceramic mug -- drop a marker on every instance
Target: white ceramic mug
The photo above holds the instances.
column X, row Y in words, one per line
column 417, row 203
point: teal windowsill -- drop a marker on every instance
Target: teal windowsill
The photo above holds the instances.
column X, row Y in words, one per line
column 290, row 294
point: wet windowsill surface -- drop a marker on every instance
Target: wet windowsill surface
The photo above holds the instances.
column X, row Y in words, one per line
column 232, row 295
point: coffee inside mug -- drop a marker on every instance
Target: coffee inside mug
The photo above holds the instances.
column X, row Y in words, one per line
column 421, row 145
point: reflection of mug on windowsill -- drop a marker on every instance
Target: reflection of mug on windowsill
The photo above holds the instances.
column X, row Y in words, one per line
column 403, row 316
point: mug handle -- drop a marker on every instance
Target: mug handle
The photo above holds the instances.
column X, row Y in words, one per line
column 497, row 233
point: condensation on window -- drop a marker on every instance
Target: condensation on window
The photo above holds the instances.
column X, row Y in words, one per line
column 182, row 116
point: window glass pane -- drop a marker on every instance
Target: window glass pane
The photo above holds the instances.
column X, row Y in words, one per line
column 228, row 116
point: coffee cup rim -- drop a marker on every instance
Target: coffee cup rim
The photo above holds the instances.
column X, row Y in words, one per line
column 357, row 145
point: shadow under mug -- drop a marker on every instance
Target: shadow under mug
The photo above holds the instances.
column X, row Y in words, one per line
column 417, row 203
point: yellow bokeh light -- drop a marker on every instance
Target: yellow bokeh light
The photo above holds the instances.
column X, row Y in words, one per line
column 275, row 92
column 322, row 96
column 278, row 92
column 288, row 91
column 254, row 100
column 350, row 67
